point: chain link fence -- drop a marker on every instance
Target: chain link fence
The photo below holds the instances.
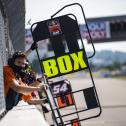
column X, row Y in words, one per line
column 12, row 29
column 2, row 62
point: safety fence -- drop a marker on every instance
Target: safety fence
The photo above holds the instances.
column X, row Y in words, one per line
column 2, row 62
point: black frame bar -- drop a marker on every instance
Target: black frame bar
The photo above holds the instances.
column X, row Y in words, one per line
column 88, row 67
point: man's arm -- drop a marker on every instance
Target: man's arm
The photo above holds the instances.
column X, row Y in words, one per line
column 35, row 101
column 24, row 89
column 28, row 52
column 33, row 47
column 35, row 84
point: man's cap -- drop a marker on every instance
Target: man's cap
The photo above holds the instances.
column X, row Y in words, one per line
column 18, row 54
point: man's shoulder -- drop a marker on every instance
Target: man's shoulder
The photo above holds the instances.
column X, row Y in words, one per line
column 7, row 68
column 8, row 72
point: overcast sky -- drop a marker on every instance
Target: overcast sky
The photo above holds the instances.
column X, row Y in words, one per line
column 38, row 10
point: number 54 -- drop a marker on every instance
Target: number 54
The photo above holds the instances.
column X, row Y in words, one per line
column 60, row 88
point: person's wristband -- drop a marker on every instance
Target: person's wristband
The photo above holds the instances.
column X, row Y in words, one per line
column 33, row 46
column 39, row 80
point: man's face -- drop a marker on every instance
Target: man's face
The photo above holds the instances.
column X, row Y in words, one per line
column 20, row 62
